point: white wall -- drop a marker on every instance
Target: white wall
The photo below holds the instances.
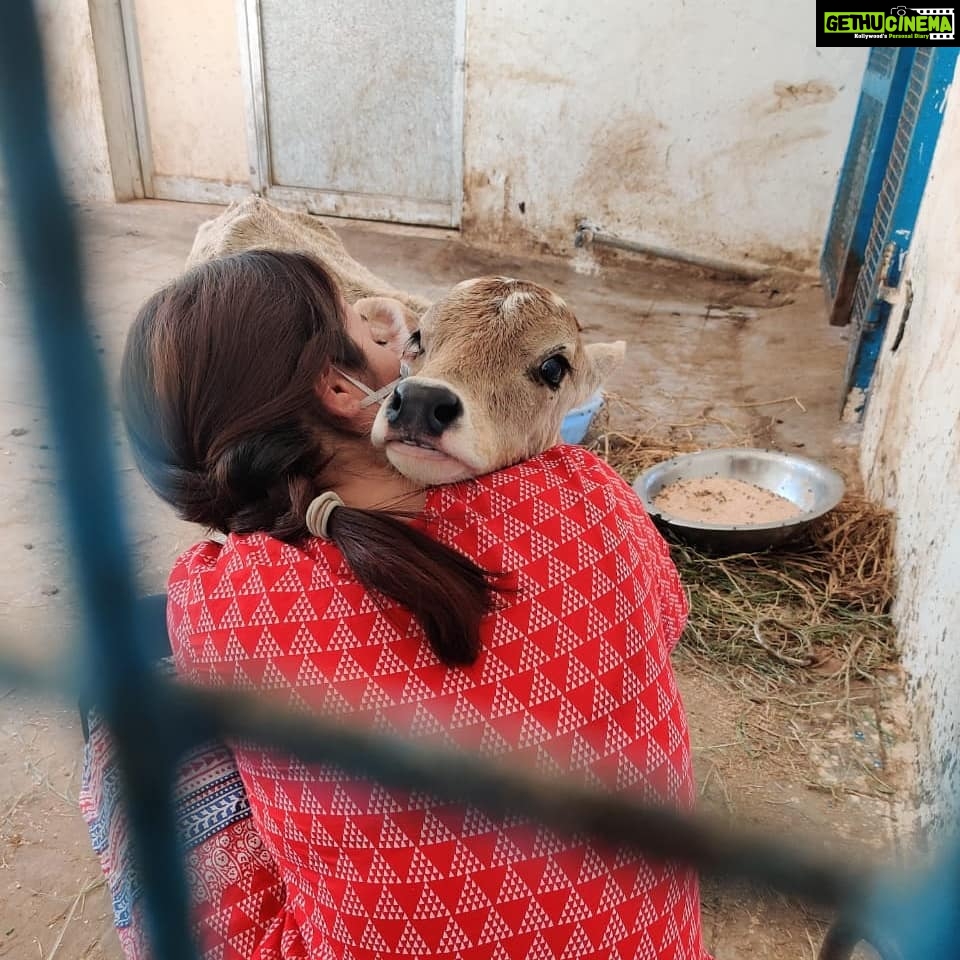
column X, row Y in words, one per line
column 911, row 459
column 75, row 98
column 716, row 128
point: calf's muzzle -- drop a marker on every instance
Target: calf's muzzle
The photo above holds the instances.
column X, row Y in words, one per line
column 423, row 409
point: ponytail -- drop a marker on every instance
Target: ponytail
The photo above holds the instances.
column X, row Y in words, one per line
column 447, row 592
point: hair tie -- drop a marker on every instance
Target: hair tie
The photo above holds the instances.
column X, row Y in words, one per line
column 318, row 513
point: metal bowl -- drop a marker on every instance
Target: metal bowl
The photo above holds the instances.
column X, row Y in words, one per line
column 814, row 488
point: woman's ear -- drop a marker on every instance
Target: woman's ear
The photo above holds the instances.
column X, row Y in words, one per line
column 337, row 394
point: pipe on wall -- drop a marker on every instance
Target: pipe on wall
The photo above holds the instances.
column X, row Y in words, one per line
column 588, row 234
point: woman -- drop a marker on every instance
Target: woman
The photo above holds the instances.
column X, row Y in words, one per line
column 247, row 392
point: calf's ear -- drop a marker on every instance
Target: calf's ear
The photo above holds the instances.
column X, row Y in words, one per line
column 390, row 321
column 602, row 360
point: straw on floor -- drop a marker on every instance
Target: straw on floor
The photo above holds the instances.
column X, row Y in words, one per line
column 819, row 606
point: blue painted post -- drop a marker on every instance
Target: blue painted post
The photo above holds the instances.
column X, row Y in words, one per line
column 118, row 673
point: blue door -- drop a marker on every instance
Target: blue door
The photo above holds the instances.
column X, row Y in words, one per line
column 874, row 127
column 878, row 201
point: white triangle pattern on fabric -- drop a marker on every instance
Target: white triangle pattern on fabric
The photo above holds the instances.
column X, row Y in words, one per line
column 573, row 678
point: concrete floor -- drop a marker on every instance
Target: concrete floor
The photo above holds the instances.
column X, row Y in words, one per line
column 702, row 359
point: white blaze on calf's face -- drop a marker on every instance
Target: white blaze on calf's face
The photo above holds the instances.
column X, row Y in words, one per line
column 500, row 364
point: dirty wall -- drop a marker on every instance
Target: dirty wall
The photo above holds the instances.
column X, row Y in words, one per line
column 717, row 130
column 75, row 99
column 911, row 460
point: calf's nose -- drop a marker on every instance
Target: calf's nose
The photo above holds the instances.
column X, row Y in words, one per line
column 423, row 408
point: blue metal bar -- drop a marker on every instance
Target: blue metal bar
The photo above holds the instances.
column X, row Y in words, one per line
column 118, row 674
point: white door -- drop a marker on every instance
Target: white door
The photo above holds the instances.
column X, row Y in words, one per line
column 187, row 99
column 355, row 107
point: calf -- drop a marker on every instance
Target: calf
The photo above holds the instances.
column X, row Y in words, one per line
column 496, row 364
column 494, row 367
column 255, row 223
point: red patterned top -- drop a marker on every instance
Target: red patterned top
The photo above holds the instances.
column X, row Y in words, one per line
column 574, row 678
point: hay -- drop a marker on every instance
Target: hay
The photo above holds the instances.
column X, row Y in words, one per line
column 817, row 607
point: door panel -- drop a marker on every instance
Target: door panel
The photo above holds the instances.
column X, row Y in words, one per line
column 901, row 192
column 184, row 63
column 362, row 106
column 874, row 127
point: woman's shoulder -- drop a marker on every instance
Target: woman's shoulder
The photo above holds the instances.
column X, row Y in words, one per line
column 569, row 459
column 575, row 469
column 230, row 565
column 584, row 463
column 566, row 487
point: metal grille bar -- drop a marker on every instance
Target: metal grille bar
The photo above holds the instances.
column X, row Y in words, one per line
column 889, row 191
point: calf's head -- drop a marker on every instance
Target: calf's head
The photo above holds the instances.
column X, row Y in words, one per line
column 493, row 369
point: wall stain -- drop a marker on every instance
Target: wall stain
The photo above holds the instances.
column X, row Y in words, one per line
column 531, row 76
column 491, row 215
column 789, row 96
column 628, row 155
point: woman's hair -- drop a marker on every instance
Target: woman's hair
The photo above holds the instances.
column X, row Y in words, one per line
column 218, row 394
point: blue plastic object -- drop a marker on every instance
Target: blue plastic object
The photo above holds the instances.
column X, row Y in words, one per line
column 577, row 422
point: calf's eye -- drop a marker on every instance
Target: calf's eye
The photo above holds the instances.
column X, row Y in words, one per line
column 553, row 370
column 413, row 346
